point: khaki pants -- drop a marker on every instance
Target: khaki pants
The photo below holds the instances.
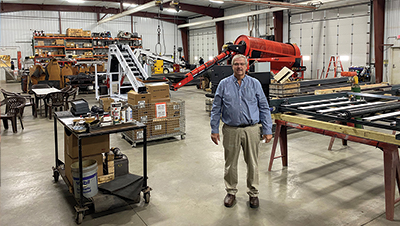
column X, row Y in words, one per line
column 249, row 139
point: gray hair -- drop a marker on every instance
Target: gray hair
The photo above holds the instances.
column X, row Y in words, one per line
column 239, row 56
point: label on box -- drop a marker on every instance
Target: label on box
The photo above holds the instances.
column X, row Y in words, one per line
column 143, row 119
column 161, row 110
column 176, row 106
column 139, row 135
column 157, row 127
column 142, row 104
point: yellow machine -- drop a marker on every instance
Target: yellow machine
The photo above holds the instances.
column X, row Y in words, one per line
column 159, row 67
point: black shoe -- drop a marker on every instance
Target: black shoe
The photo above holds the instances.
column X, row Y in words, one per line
column 229, row 200
column 254, row 202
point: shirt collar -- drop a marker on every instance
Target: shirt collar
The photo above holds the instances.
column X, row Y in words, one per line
column 234, row 79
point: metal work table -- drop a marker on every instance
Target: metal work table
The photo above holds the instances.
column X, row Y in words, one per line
column 65, row 119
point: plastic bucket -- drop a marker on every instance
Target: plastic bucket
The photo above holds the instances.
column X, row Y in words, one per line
column 89, row 178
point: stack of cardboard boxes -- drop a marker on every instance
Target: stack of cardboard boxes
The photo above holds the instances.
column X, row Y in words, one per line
column 92, row 148
column 156, row 110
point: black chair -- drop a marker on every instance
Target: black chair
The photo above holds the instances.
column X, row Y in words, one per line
column 15, row 108
column 54, row 101
column 66, row 89
column 30, row 101
column 70, row 95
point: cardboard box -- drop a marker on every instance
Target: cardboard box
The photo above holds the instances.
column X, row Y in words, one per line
column 158, row 127
column 87, row 45
column 158, row 91
column 86, row 33
column 173, row 125
column 68, row 162
column 145, row 114
column 135, row 98
column 106, row 103
column 74, row 32
column 90, row 145
column 154, row 101
column 70, row 45
column 59, row 42
column 40, row 43
column 173, row 110
column 88, row 54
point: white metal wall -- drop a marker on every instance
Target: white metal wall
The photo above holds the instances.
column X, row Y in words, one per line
column 203, row 40
column 16, row 28
column 202, row 43
column 340, row 32
column 392, row 30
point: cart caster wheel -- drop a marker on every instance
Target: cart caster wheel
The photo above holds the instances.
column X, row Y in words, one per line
column 79, row 217
column 56, row 175
column 183, row 137
column 146, row 197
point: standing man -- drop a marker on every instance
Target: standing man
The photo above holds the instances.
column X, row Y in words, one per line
column 201, row 61
column 242, row 103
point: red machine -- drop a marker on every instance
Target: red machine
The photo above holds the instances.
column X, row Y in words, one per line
column 256, row 49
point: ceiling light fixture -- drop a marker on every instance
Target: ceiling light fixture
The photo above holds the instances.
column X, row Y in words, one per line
column 217, row 1
column 130, row 11
column 171, row 10
column 76, row 1
column 127, row 5
column 231, row 17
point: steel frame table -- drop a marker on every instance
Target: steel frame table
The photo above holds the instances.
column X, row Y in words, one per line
column 386, row 142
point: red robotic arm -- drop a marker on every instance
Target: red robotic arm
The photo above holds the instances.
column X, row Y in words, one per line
column 256, row 49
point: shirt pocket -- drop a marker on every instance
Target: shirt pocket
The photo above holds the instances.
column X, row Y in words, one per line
column 250, row 95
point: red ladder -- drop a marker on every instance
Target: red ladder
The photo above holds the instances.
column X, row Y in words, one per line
column 336, row 62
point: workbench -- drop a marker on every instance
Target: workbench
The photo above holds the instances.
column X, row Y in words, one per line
column 386, row 142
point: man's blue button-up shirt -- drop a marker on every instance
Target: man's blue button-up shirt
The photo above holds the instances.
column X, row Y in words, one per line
column 243, row 104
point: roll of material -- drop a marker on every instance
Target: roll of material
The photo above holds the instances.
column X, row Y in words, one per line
column 370, row 110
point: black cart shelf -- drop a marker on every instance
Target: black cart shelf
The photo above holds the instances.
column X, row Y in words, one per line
column 83, row 204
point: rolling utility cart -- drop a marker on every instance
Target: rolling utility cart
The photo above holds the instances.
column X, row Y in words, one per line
column 101, row 201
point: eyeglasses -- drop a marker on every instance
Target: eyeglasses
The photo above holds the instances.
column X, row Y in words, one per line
column 239, row 64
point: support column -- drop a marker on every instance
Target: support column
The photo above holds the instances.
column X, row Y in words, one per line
column 185, row 42
column 379, row 30
column 220, row 35
column 131, row 24
column 59, row 22
column 278, row 26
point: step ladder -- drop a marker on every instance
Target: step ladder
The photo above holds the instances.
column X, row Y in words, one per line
column 128, row 67
column 336, row 62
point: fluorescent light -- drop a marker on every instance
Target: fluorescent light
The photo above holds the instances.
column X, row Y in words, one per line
column 76, row 1
column 344, row 58
column 231, row 17
column 306, row 57
column 170, row 10
column 127, row 5
column 217, row 1
column 130, row 11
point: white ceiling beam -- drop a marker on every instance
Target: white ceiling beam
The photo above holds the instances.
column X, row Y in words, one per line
column 130, row 11
column 230, row 17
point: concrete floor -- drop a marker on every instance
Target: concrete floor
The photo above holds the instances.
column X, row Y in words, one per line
column 320, row 187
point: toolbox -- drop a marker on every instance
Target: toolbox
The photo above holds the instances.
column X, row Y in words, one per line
column 121, row 166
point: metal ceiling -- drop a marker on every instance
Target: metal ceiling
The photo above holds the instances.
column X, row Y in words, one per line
column 188, row 8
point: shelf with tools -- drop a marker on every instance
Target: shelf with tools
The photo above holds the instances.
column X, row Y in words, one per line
column 78, row 47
